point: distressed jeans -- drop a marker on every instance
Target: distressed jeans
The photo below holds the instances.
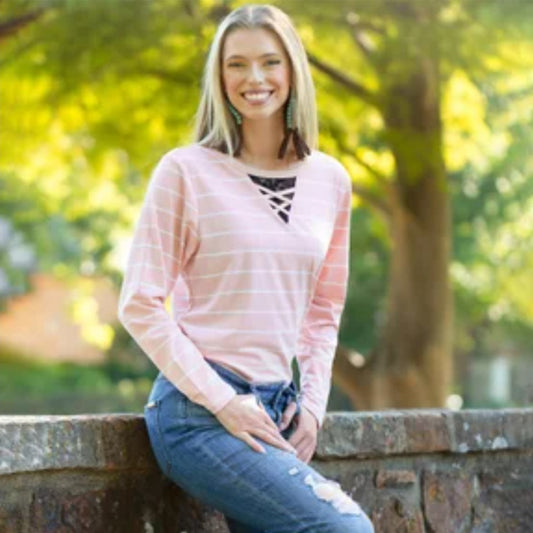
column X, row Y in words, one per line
column 258, row 493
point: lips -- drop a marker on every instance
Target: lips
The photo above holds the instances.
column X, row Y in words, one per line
column 256, row 96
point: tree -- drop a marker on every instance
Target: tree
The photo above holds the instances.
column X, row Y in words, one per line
column 410, row 50
column 123, row 85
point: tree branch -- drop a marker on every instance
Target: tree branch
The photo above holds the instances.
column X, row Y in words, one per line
column 376, row 173
column 373, row 200
column 359, row 37
column 355, row 87
column 12, row 26
column 382, row 178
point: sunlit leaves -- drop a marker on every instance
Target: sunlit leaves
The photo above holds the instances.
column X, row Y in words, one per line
column 468, row 138
column 84, row 311
column 94, row 92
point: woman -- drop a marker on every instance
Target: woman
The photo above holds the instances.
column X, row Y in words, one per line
column 248, row 229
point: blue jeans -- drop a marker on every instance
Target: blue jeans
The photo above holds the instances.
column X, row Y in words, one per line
column 258, row 493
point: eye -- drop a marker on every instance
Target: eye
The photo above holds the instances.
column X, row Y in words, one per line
column 235, row 64
column 273, row 62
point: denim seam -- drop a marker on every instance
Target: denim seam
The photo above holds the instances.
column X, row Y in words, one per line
column 251, row 488
column 160, row 436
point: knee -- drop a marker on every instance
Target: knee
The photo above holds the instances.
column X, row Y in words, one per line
column 345, row 514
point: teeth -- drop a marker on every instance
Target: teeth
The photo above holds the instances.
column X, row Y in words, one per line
column 257, row 96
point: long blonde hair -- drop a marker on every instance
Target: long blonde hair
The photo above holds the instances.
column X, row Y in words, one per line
column 214, row 125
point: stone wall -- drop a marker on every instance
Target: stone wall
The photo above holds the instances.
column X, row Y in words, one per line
column 412, row 471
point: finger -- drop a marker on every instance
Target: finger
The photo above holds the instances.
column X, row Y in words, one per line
column 246, row 437
column 298, row 438
column 306, row 447
column 288, row 415
column 309, row 455
column 265, row 416
column 275, row 439
column 308, row 451
column 270, row 422
column 280, row 442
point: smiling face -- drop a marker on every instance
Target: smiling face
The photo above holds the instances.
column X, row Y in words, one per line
column 256, row 73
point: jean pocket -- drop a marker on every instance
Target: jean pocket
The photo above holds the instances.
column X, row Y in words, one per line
column 173, row 405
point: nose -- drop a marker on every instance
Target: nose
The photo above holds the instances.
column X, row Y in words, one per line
column 256, row 73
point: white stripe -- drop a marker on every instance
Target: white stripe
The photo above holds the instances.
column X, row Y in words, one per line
column 252, row 271
column 175, row 193
column 158, row 248
column 256, row 214
column 143, row 319
column 184, row 375
column 257, row 250
column 252, row 291
column 150, row 331
column 165, row 341
column 160, row 230
column 147, row 207
column 143, row 264
column 232, row 232
column 254, row 197
column 151, row 285
column 241, row 330
column 239, row 312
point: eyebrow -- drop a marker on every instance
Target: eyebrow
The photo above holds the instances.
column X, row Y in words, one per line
column 235, row 56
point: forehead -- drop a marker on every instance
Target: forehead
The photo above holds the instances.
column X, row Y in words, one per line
column 252, row 43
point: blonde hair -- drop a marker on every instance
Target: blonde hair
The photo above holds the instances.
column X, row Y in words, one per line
column 214, row 126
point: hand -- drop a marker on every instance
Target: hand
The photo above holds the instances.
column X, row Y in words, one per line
column 243, row 417
column 304, row 438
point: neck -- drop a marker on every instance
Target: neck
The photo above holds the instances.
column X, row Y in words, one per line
column 261, row 141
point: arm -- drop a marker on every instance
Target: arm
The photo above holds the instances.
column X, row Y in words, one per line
column 165, row 238
column 319, row 333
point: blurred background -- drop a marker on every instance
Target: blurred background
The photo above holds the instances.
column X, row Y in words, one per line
column 428, row 104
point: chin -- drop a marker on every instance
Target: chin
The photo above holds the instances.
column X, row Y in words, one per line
column 262, row 114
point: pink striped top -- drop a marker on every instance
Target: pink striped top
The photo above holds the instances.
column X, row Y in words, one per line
column 256, row 265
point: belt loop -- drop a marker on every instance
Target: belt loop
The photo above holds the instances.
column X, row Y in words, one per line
column 277, row 397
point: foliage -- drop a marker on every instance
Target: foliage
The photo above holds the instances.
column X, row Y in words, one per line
column 32, row 386
column 94, row 92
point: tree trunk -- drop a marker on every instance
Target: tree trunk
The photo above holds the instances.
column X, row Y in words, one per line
column 411, row 365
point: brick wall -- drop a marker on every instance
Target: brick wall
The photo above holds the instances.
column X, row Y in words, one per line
column 412, row 471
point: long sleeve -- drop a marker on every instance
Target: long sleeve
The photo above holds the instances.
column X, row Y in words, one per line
column 164, row 240
column 319, row 333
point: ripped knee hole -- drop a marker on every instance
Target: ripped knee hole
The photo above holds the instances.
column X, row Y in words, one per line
column 331, row 491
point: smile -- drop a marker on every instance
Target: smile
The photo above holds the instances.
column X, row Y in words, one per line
column 258, row 97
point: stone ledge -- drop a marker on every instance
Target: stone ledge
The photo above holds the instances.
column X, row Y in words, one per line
column 103, row 442
column 412, row 471
column 374, row 434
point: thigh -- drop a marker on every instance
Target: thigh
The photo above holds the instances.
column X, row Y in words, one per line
column 273, row 492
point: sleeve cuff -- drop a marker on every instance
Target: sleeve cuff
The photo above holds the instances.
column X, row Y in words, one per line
column 318, row 415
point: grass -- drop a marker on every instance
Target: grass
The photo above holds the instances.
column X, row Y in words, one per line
column 29, row 386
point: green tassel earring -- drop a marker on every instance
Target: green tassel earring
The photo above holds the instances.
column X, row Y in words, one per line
column 238, row 121
column 290, row 130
